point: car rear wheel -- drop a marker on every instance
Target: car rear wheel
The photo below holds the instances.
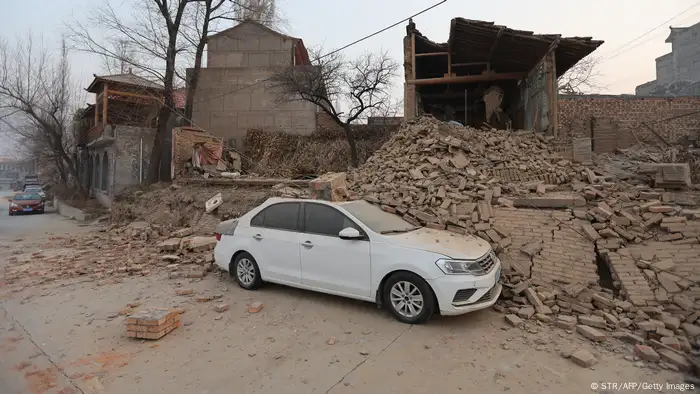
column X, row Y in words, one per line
column 245, row 270
column 409, row 298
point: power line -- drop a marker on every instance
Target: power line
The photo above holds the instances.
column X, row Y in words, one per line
column 645, row 41
column 326, row 55
column 615, row 52
column 173, row 110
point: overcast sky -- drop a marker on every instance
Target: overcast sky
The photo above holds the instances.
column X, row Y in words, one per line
column 336, row 23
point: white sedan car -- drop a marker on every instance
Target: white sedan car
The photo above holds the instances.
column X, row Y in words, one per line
column 357, row 250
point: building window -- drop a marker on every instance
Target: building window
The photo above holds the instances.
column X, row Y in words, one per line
column 105, row 171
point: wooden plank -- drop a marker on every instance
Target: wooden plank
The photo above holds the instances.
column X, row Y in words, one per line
column 245, row 181
column 432, row 54
column 127, row 94
column 489, row 76
column 105, row 100
column 413, row 56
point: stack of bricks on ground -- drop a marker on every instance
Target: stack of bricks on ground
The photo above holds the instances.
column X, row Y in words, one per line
column 152, row 323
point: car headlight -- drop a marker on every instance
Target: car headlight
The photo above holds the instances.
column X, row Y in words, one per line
column 460, row 267
column 13, row 205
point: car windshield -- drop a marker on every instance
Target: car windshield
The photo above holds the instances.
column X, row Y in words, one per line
column 33, row 188
column 26, row 197
column 376, row 219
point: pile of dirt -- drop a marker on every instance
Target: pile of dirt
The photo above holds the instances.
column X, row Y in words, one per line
column 296, row 156
column 173, row 206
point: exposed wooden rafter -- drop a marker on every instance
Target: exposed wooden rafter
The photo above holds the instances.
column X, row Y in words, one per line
column 494, row 45
column 432, row 54
column 483, row 77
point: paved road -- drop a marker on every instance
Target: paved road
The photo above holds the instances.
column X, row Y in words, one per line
column 32, row 224
column 24, row 366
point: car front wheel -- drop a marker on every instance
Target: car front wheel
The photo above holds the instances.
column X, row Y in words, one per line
column 245, row 270
column 409, row 298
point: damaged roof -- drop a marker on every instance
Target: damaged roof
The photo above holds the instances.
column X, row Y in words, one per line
column 506, row 49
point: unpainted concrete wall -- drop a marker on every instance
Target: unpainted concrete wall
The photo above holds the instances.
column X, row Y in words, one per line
column 227, row 105
column 249, row 45
column 128, row 153
column 228, row 102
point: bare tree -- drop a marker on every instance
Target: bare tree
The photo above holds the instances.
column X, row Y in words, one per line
column 38, row 100
column 581, row 78
column 122, row 63
column 155, row 41
column 163, row 39
column 362, row 85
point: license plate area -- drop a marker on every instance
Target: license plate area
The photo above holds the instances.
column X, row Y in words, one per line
column 27, row 210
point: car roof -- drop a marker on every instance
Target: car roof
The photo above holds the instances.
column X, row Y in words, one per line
column 273, row 200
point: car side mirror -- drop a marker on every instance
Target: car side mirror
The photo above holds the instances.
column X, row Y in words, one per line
column 350, row 233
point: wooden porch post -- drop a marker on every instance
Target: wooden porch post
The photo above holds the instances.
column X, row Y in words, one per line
column 105, row 94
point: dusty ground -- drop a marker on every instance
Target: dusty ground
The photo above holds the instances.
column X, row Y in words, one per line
column 67, row 337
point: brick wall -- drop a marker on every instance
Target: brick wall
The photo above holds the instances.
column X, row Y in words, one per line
column 618, row 121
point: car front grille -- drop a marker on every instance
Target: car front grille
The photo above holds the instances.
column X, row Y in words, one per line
column 487, row 296
column 487, row 262
column 463, row 295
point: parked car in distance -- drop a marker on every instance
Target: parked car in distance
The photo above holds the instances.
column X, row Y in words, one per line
column 357, row 250
column 26, row 203
column 36, row 189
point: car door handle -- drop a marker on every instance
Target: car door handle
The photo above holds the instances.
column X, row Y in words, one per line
column 308, row 244
column 257, row 236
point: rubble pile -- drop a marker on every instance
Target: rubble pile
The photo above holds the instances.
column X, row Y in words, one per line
column 294, row 156
column 446, row 173
column 452, row 177
column 666, row 337
column 173, row 206
column 457, row 178
column 138, row 249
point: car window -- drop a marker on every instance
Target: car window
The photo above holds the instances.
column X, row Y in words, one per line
column 27, row 197
column 325, row 220
column 283, row 216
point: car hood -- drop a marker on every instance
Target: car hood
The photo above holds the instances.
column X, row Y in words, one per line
column 455, row 246
column 26, row 202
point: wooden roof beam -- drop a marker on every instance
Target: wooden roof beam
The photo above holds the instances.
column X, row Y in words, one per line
column 483, row 77
column 495, row 43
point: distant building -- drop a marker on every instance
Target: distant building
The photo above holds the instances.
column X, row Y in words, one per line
column 677, row 70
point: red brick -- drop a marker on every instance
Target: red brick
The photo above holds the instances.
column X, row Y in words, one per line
column 255, row 307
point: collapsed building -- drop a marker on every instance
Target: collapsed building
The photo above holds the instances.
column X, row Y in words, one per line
column 489, row 73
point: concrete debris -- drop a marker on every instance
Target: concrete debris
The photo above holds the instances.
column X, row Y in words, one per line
column 213, row 203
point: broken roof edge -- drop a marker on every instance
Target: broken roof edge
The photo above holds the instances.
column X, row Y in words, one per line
column 575, row 48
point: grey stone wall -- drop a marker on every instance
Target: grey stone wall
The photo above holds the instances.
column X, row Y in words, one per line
column 127, row 149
